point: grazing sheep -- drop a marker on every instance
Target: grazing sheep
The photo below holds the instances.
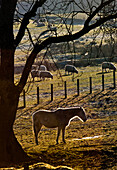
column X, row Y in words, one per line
column 108, row 65
column 35, row 67
column 45, row 74
column 71, row 68
column 42, row 68
column 59, row 118
column 35, row 73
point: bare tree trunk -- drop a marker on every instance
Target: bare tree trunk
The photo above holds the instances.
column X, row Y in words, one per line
column 11, row 151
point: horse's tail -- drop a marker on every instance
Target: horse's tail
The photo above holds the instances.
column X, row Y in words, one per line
column 36, row 127
column 34, row 124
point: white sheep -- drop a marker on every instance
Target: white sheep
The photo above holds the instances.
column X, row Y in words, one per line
column 42, row 68
column 35, row 73
column 108, row 65
column 46, row 74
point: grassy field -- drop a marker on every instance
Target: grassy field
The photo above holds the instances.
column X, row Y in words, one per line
column 89, row 145
column 58, row 84
column 96, row 152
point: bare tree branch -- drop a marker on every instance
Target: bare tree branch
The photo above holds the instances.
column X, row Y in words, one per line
column 25, row 21
column 50, row 40
column 103, row 4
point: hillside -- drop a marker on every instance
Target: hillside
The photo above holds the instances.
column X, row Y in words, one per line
column 88, row 145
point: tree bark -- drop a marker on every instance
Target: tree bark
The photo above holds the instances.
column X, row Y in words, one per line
column 11, row 151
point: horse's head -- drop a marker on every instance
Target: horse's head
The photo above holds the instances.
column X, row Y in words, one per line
column 82, row 114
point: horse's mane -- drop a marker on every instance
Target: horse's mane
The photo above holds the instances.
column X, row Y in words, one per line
column 69, row 108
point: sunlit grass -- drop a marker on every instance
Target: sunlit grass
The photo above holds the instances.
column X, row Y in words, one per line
column 89, row 153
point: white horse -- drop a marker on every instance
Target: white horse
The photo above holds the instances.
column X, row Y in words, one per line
column 59, row 118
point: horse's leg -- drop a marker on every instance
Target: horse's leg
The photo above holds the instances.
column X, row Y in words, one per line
column 37, row 128
column 58, row 134
column 63, row 134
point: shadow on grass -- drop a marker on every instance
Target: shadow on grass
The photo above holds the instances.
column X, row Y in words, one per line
column 78, row 159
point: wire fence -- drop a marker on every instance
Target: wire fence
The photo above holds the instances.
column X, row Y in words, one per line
column 51, row 91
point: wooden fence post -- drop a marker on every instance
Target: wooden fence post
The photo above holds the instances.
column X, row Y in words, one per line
column 24, row 98
column 78, row 91
column 37, row 95
column 65, row 90
column 51, row 92
column 114, row 82
column 102, row 82
column 90, row 80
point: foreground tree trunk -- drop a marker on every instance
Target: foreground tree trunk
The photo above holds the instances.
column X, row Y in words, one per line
column 10, row 150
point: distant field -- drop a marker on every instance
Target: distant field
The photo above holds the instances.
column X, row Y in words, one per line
column 58, row 84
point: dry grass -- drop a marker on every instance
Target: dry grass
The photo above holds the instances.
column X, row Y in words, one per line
column 95, row 153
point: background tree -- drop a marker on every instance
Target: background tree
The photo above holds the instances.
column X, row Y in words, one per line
column 11, row 40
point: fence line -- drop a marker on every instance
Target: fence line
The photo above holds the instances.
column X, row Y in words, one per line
column 102, row 82
column 78, row 88
column 90, row 80
column 65, row 85
column 114, row 81
column 37, row 95
column 51, row 92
